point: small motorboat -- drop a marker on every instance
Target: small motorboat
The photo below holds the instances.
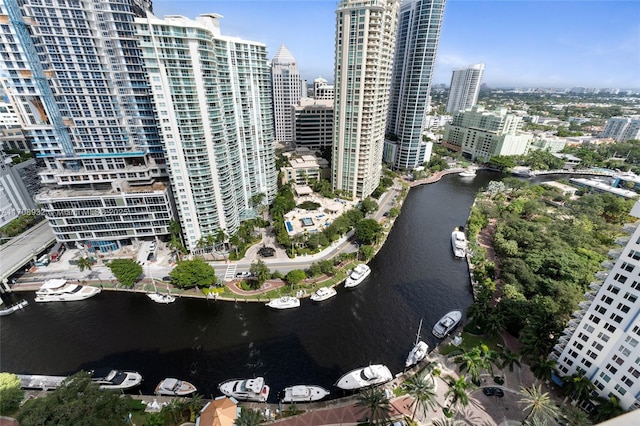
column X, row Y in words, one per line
column 246, row 389
column 284, row 302
column 118, row 380
column 304, row 393
column 323, row 293
column 174, row 387
column 446, row 324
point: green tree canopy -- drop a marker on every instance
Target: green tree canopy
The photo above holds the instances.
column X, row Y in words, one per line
column 260, row 271
column 126, row 271
column 368, row 231
column 10, row 393
column 78, row 401
column 295, row 276
column 193, row 273
column 368, row 206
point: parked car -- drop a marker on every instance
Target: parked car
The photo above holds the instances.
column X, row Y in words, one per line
column 167, row 279
column 152, row 247
column 244, row 274
column 150, row 256
column 493, row 392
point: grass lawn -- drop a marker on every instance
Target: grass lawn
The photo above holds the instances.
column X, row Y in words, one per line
column 470, row 341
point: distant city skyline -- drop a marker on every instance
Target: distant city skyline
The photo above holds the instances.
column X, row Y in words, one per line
column 522, row 43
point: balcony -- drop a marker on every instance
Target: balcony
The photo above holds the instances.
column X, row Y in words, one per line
column 585, row 304
column 578, row 315
column 629, row 227
column 607, row 264
column 602, row 275
column 573, row 323
column 589, row 296
column 614, row 253
column 596, row 285
column 622, row 241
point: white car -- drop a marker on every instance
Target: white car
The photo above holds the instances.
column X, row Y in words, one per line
column 152, row 247
column 244, row 274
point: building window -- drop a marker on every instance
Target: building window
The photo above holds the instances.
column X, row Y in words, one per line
column 605, row 377
column 627, row 266
column 607, row 300
column 620, row 278
column 611, row 368
column 631, row 341
column 616, row 318
column 602, row 336
column 620, row 389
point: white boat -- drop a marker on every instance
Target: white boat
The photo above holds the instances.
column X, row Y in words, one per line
column 39, row 381
column 174, row 387
column 164, row 298
column 246, row 389
column 119, row 380
column 467, row 173
column 12, row 308
column 304, row 393
column 419, row 351
column 284, row 302
column 57, row 290
column 459, row 243
column 358, row 275
column 363, row 377
column 446, row 324
column 323, row 293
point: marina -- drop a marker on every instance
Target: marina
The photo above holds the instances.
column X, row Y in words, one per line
column 190, row 339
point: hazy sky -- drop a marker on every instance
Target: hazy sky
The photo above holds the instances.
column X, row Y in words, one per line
column 590, row 43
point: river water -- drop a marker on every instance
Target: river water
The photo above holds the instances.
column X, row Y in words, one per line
column 414, row 276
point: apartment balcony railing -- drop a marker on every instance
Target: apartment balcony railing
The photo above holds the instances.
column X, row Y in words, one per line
column 589, row 296
column 585, row 304
column 607, row 264
column 602, row 275
column 573, row 323
column 596, row 285
column 614, row 253
column 578, row 314
column 629, row 227
column 622, row 241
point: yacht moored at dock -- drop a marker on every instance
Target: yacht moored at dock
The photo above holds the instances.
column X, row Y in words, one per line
column 174, row 387
column 358, row 275
column 459, row 242
column 468, row 173
column 363, row 377
column 323, row 293
column 419, row 351
column 446, row 324
column 13, row 308
column 304, row 393
column 284, row 302
column 58, row 290
column 119, row 380
column 246, row 389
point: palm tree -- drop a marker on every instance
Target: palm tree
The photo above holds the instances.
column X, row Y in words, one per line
column 607, row 408
column 575, row 416
column 84, row 263
column 421, row 388
column 458, row 393
column 543, row 368
column 249, row 417
column 378, row 404
column 577, row 386
column 447, row 422
column 538, row 403
column 508, row 359
column 471, row 363
column 194, row 403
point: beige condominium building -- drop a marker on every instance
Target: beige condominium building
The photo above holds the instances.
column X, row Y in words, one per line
column 365, row 40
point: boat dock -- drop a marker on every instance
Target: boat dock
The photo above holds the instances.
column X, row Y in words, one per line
column 36, row 381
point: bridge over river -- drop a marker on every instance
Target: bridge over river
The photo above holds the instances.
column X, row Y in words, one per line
column 18, row 251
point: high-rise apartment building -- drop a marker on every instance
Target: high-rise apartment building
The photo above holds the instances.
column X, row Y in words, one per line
column 417, row 40
column 464, row 88
column 213, row 99
column 602, row 341
column 15, row 199
column 480, row 134
column 287, row 91
column 365, row 41
column 622, row 129
column 72, row 71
